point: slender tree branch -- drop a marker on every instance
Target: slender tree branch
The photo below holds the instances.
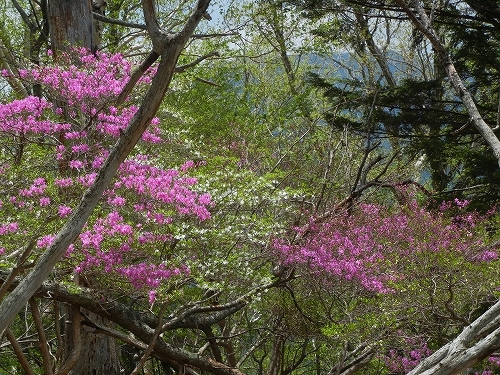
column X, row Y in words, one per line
column 42, row 340
column 19, row 267
column 19, row 352
column 102, row 18
column 213, row 35
column 251, row 350
column 182, row 68
column 57, row 328
column 207, row 82
column 136, row 75
column 141, row 26
column 24, row 16
column 6, row 62
column 150, row 348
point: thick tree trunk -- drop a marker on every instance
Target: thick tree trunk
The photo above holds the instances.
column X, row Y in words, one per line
column 98, row 352
column 70, row 24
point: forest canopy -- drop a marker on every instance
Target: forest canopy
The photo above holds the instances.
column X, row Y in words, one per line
column 257, row 187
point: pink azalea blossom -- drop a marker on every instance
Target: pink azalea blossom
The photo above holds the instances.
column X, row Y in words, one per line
column 64, row 211
column 44, row 201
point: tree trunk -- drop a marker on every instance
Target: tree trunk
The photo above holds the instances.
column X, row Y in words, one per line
column 276, row 358
column 98, row 352
column 99, row 6
column 70, row 24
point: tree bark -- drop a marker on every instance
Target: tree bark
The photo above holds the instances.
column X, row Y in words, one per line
column 476, row 342
column 96, row 353
column 70, row 24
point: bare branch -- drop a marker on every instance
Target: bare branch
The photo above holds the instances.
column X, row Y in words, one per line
column 42, row 340
column 6, row 62
column 141, row 26
column 19, row 352
column 19, row 268
column 112, row 21
column 182, row 68
column 251, row 350
column 213, row 35
column 207, row 82
column 32, row 26
column 150, row 348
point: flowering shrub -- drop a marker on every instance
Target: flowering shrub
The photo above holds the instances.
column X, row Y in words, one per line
column 379, row 247
column 401, row 363
column 60, row 143
column 399, row 273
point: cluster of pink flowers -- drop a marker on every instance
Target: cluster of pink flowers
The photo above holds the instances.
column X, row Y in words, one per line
column 77, row 134
column 150, row 275
column 372, row 244
column 87, row 86
column 87, row 80
column 400, row 362
column 9, row 228
column 492, row 366
column 37, row 188
column 26, row 116
column 113, row 245
column 160, row 187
